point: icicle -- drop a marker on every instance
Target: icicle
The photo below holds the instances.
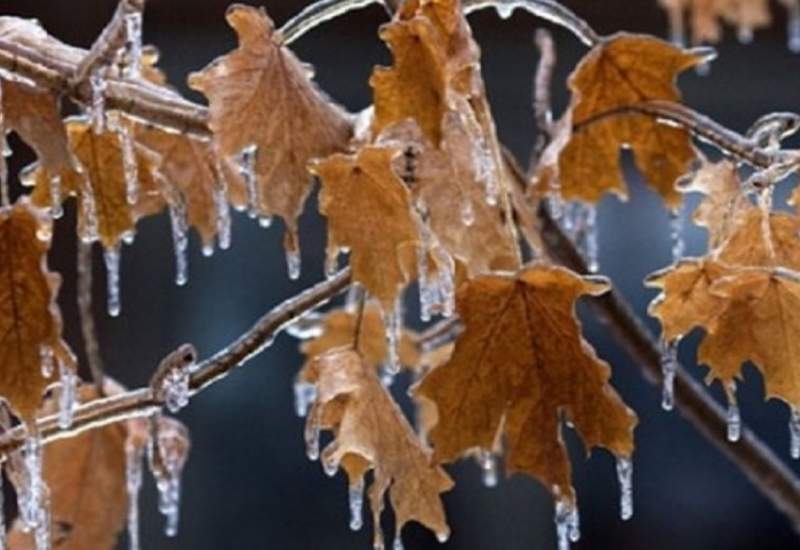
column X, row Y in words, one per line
column 669, row 366
column 133, row 474
column 293, row 264
column 98, row 110
column 311, row 434
column 329, row 463
column 304, row 395
column 172, row 448
column 793, row 29
column 625, row 477
column 129, row 165
column 222, row 208
column 88, row 226
column 207, row 250
column 355, row 495
column 180, row 236
column 567, row 524
column 112, row 259
column 392, row 322
column 133, row 43
column 590, row 238
column 488, row 463
column 31, row 494
column 48, row 361
column 676, row 235
column 42, row 531
column 504, row 10
column 733, row 418
column 745, row 35
column 398, row 542
column 247, row 169
column 175, row 388
column 794, row 431
column 66, row 396
column 56, row 210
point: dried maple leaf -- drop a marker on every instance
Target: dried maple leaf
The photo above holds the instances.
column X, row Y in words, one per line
column 518, row 366
column 194, row 169
column 35, row 115
column 30, row 321
column 621, row 71
column 370, row 432
column 339, row 329
column 762, row 238
column 369, row 211
column 99, row 184
column 262, row 95
column 85, row 476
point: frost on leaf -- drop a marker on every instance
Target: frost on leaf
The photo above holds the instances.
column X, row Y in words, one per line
column 192, row 167
column 30, row 321
column 36, row 117
column 432, row 101
column 621, row 71
column 519, row 365
column 369, row 211
column 85, row 476
column 706, row 16
column 262, row 95
column 370, row 432
column 339, row 329
column 99, row 184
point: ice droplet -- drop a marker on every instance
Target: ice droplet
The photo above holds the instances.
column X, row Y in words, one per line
column 306, row 326
column 98, row 110
column 745, row 34
column 247, row 169
column 133, row 43
column 488, row 463
column 794, row 432
column 398, row 542
column 734, row 423
column 567, row 524
column 625, row 477
column 676, row 235
column 48, row 360
column 355, row 496
column 304, row 395
column 42, row 532
column 56, row 210
column 669, row 366
column 129, row 165
column 505, row 10
column 133, row 474
column 293, row 264
column 171, row 447
column 66, row 396
column 112, row 260
column 175, row 388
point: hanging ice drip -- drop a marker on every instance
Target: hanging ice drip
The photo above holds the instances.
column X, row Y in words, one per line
column 167, row 452
column 222, row 208
column 111, row 255
column 134, row 455
column 32, row 493
column 247, row 169
column 625, row 478
column 669, row 368
column 133, row 44
column 67, row 395
column 567, row 523
column 355, row 498
column 393, row 323
column 488, row 463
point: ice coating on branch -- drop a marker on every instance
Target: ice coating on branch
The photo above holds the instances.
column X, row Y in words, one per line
column 179, row 220
column 304, row 395
column 794, row 432
column 317, row 13
column 48, row 360
column 133, row 44
column 676, row 235
column 134, row 456
column 42, row 532
column 129, row 166
column 355, row 497
column 293, row 264
column 669, row 366
column 167, row 457
column 175, row 388
column 625, row 478
column 98, row 110
column 112, row 260
column 247, row 169
column 488, row 464
column 567, row 524
column 67, row 396
column 307, row 326
column 56, row 210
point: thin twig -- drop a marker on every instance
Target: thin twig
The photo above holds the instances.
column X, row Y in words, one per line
column 542, row 105
column 771, row 477
column 88, row 329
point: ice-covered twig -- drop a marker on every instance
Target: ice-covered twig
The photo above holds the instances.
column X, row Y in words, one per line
column 542, row 104
column 317, row 13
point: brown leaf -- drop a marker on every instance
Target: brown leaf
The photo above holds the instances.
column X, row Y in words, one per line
column 30, row 321
column 622, row 70
column 262, row 94
column 339, row 330
column 370, row 432
column 519, row 364
column 101, row 182
column 768, row 239
column 369, row 211
column 86, row 478
column 36, row 117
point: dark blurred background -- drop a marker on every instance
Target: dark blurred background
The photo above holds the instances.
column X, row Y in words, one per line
column 248, row 484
